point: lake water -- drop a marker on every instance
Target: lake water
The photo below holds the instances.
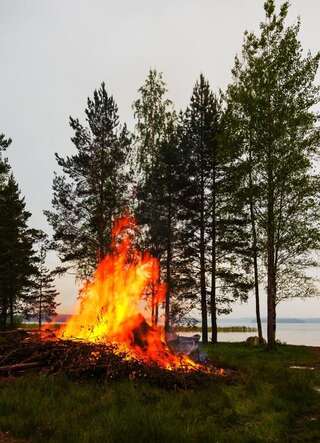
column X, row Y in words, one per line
column 293, row 333
column 290, row 333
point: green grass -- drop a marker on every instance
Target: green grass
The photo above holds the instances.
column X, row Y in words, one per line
column 268, row 403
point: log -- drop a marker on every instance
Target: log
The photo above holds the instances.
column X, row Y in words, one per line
column 19, row 367
column 14, row 332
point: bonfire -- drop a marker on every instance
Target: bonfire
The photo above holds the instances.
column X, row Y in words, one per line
column 110, row 334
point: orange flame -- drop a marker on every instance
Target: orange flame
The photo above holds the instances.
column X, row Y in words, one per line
column 114, row 303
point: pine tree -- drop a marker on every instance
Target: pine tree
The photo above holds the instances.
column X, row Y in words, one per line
column 213, row 230
column 93, row 187
column 155, row 147
column 40, row 302
column 169, row 186
column 273, row 93
column 17, row 263
column 197, row 149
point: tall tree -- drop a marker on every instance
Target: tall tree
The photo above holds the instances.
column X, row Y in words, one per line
column 93, row 187
column 238, row 133
column 199, row 131
column 213, row 230
column 4, row 169
column 17, row 264
column 274, row 93
column 40, row 302
column 155, row 147
column 229, row 240
column 169, row 187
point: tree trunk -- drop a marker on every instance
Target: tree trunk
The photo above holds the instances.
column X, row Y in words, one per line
column 153, row 311
column 271, row 284
column 168, row 269
column 156, row 314
column 271, row 267
column 271, row 308
column 11, row 312
column 213, row 306
column 213, row 302
column 257, row 296
column 156, row 308
column 255, row 257
column 204, row 317
column 40, row 309
column 101, row 225
column 154, row 302
column 203, row 289
column 4, row 315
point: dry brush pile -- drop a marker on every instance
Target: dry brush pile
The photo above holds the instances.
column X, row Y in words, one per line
column 23, row 352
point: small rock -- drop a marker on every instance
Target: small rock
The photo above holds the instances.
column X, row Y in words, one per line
column 302, row 367
column 254, row 341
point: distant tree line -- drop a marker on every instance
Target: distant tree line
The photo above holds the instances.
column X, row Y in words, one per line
column 226, row 191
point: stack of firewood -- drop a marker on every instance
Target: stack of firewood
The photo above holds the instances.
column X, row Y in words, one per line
column 23, row 352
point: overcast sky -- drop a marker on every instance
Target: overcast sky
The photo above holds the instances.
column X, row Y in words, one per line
column 54, row 53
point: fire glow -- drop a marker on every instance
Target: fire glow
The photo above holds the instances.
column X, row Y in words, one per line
column 114, row 303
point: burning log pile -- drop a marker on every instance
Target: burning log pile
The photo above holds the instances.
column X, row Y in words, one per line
column 23, row 352
column 110, row 337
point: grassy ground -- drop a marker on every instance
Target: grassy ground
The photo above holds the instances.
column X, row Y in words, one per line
column 269, row 403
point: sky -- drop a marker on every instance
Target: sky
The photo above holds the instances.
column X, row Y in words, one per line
column 54, row 53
